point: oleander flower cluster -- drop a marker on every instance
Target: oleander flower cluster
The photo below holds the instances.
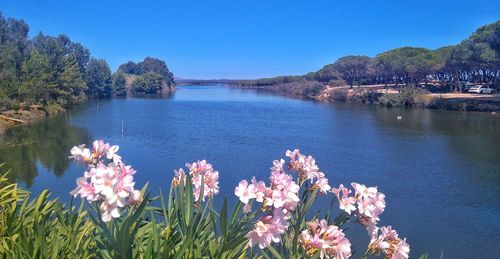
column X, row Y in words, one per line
column 385, row 240
column 366, row 205
column 201, row 173
column 274, row 211
column 306, row 168
column 106, row 180
column 329, row 240
column 280, row 199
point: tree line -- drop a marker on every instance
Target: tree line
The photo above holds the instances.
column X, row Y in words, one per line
column 54, row 69
column 150, row 76
column 476, row 59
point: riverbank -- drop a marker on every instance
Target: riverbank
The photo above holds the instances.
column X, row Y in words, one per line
column 10, row 118
column 390, row 96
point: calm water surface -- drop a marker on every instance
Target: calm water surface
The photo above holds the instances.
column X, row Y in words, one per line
column 439, row 170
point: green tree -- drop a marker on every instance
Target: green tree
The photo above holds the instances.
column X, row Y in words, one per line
column 325, row 74
column 129, row 68
column 37, row 79
column 407, row 64
column 353, row 68
column 98, row 79
column 71, row 85
column 13, row 48
column 149, row 83
column 119, row 84
column 149, row 65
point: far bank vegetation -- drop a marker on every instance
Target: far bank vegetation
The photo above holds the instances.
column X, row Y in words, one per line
column 398, row 77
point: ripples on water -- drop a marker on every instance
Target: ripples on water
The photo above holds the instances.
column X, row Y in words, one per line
column 440, row 170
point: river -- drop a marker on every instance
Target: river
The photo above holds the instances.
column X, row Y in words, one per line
column 440, row 170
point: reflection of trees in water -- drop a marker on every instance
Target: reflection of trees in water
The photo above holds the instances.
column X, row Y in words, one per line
column 473, row 135
column 47, row 142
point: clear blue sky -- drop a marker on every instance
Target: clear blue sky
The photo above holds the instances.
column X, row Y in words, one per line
column 252, row 38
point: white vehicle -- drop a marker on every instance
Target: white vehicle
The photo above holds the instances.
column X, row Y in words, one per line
column 481, row 89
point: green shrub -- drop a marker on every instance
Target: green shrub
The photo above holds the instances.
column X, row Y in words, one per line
column 408, row 96
column 339, row 94
column 53, row 108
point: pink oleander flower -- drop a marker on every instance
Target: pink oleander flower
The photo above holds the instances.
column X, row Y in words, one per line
column 268, row 229
column 261, row 191
column 330, row 241
column 284, row 191
column 81, row 154
column 400, row 250
column 305, row 166
column 367, row 203
column 245, row 191
column 281, row 197
column 388, row 243
column 279, row 200
column 100, row 150
column 109, row 211
column 278, row 166
column 370, row 202
column 322, row 184
column 84, row 189
column 346, row 202
column 111, row 184
column 307, row 169
column 197, row 171
column 292, row 154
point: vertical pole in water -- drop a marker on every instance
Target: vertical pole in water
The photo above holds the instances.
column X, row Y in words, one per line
column 122, row 128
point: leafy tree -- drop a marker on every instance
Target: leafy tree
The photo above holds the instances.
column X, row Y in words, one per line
column 353, row 68
column 119, row 84
column 37, row 79
column 407, row 64
column 98, row 79
column 153, row 65
column 149, row 83
column 71, row 85
column 82, row 54
column 149, row 65
column 13, row 46
column 8, row 73
column 325, row 74
column 129, row 68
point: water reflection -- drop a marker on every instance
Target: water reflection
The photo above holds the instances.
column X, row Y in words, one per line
column 44, row 143
column 471, row 135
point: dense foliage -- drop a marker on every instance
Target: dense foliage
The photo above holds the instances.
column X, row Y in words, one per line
column 475, row 59
column 98, row 78
column 119, row 84
column 149, row 83
column 47, row 69
column 150, row 75
column 271, row 219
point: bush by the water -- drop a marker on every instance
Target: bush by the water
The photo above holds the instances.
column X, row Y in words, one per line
column 408, row 96
column 272, row 218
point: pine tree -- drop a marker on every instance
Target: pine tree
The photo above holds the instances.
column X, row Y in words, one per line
column 71, row 85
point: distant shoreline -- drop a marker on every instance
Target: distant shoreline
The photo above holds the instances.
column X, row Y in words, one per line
column 375, row 94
